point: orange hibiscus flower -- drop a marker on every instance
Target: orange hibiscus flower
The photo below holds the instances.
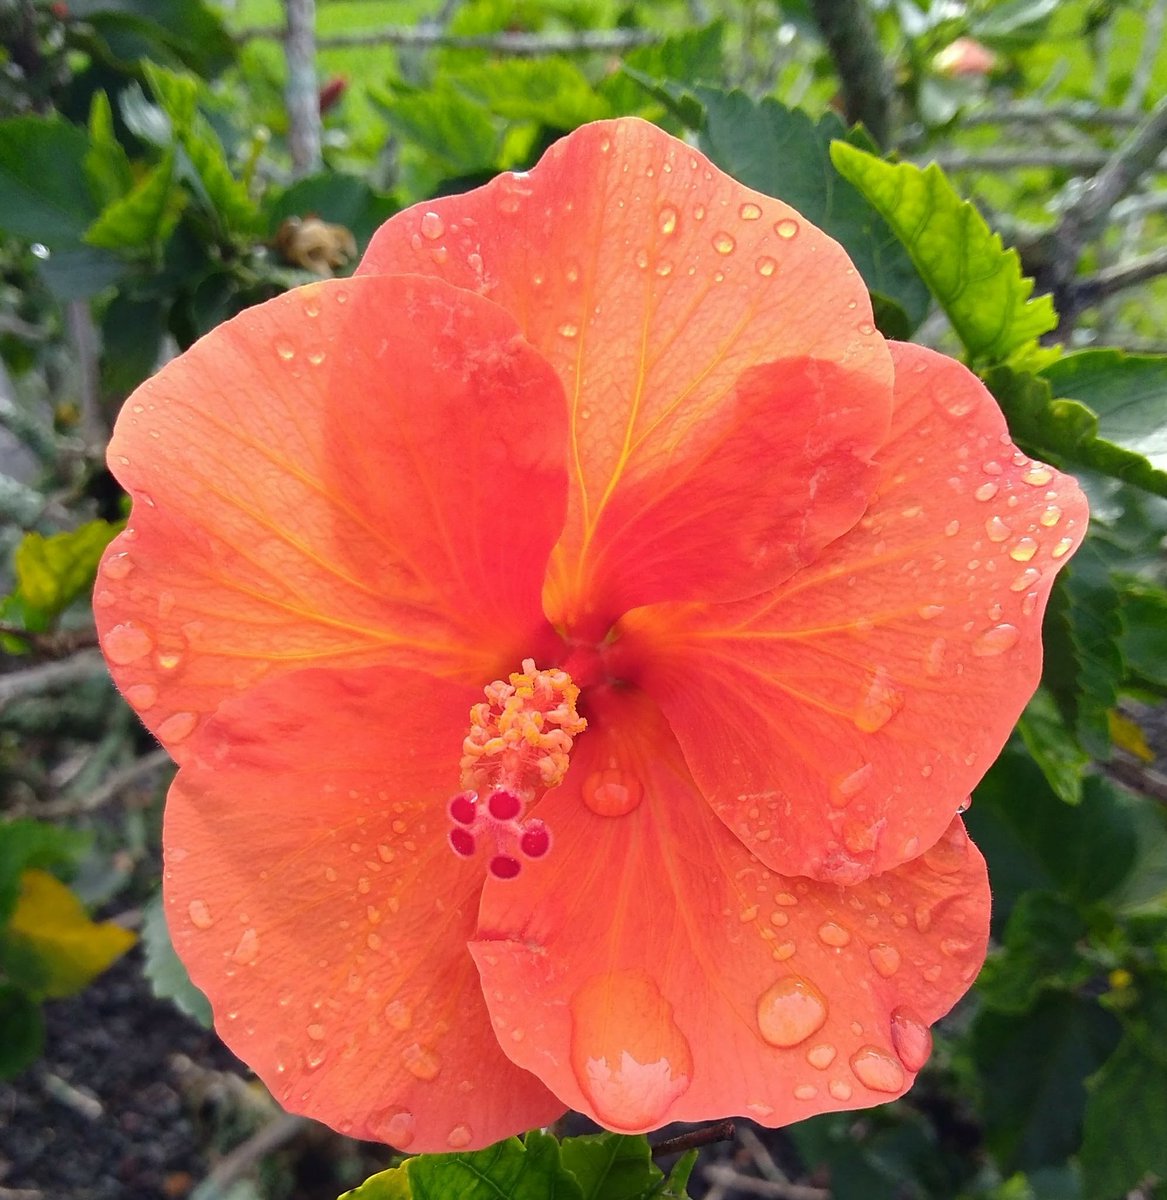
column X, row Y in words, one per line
column 578, row 633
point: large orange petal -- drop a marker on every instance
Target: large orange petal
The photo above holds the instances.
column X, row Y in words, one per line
column 334, row 477
column 312, row 894
column 651, row 970
column 837, row 722
column 691, row 321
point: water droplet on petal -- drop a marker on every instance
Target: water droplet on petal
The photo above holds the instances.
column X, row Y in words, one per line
column 143, row 696
column 840, row 1089
column 432, row 226
column 996, row 640
column 831, row 933
column 200, row 914
column 805, row 1091
column 393, row 1125
column 997, row 530
column 118, row 566
column 911, row 1038
column 127, row 643
column 885, row 959
column 765, row 266
column 723, row 243
column 934, row 657
column 786, row 228
column 420, row 1062
column 1038, row 476
column 612, row 793
column 952, row 529
column 399, row 1015
column 568, row 330
column 1025, row 549
column 879, row 704
column 177, row 726
column 459, row 1137
column 790, row 1011
column 876, row 1069
column 1062, row 548
column 247, row 949
column 1051, row 516
column 630, row 1058
column 986, row 491
column 821, row 1056
column 850, row 785
column 749, row 212
column 285, row 349
column 667, row 218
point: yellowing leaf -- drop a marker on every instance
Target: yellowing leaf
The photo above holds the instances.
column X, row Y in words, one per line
column 50, row 923
column 1127, row 735
column 51, row 572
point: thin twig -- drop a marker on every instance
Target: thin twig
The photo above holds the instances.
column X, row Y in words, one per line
column 114, row 786
column 612, row 41
column 301, row 95
column 1034, row 112
column 718, row 1173
column 1080, row 162
column 235, row 1165
column 722, row 1131
column 48, row 677
column 1093, row 288
column 851, row 38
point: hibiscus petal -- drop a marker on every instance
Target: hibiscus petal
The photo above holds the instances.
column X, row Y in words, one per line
column 312, row 894
column 649, row 969
column 725, row 383
column 327, row 478
column 837, row 722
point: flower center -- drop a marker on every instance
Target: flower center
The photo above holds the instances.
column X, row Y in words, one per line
column 517, row 748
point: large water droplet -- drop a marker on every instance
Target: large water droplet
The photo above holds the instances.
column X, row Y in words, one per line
column 749, row 212
column 612, row 793
column 1038, row 476
column 765, row 266
column 1062, row 548
column 845, row 789
column 879, row 704
column 831, row 933
column 723, row 243
column 911, row 1038
column 459, row 1137
column 399, row 1015
column 821, row 1056
column 432, row 226
column 143, row 696
column 996, row 640
column 421, row 1062
column 790, row 1011
column 786, row 228
column 200, row 914
column 392, row 1125
column 177, row 726
column 285, row 349
column 568, row 330
column 630, row 1058
column 876, row 1069
column 118, row 566
column 1051, row 516
column 997, row 530
column 127, row 643
column 1025, row 549
column 885, row 959
column 247, row 949
column 667, row 219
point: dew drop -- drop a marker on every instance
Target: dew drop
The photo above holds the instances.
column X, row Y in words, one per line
column 929, row 612
column 1025, row 549
column 432, row 226
column 177, row 726
column 420, row 1062
column 845, row 789
column 1051, row 516
column 790, row 1011
column 629, row 1056
column 783, row 951
column 127, row 643
column 910, row 1038
column 877, row 1070
column 1025, row 580
column 459, row 1137
column 1038, row 476
column 922, row 916
column 1029, row 604
column 393, row 1125
column 865, row 328
column 786, row 228
column 247, row 949
column 885, row 959
column 840, row 1089
column 168, row 660
column 200, row 914
column 986, row 491
column 568, row 330
column 934, row 657
column 805, row 1091
column 143, row 696
column 723, row 243
column 399, row 1015
column 749, row 212
column 765, row 266
column 315, row 1032
column 664, row 268
column 821, row 1056
column 997, row 530
column 831, row 933
column 996, row 640
column 612, row 793
column 667, row 219
column 118, row 566
column 285, row 349
column 879, row 704
column 1062, row 548
column 952, row 529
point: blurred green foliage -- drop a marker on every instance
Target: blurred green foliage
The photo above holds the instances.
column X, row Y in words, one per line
column 147, row 194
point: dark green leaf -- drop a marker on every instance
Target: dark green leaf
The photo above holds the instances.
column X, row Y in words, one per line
column 612, row 1166
column 24, row 1031
column 1126, row 1122
column 1144, row 640
column 508, row 1170
column 1053, row 745
column 694, row 55
column 1032, row 1070
column 977, row 281
column 1040, row 951
column 131, row 341
column 44, row 193
column 1066, row 431
column 549, row 91
column 143, row 219
column 184, row 32
column 81, row 273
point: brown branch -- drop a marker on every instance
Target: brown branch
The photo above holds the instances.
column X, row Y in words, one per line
column 48, row 677
column 1093, row 288
column 610, row 41
column 301, row 96
column 694, row 1139
column 718, row 1173
column 853, row 43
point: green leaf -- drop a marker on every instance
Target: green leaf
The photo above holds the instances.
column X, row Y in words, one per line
column 25, row 844
column 131, row 341
column 52, row 572
column 185, row 32
column 1040, row 951
column 1127, row 393
column 451, row 128
column 784, row 153
column 107, row 166
column 1066, row 431
column 977, row 281
column 24, row 1031
column 508, row 1170
column 164, row 969
column 1144, row 639
column 1126, row 1122
column 142, row 220
column 1053, row 746
column 693, row 55
column 613, row 1166
column 44, row 193
column 549, row 91
column 1083, row 664
column 1032, row 1069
